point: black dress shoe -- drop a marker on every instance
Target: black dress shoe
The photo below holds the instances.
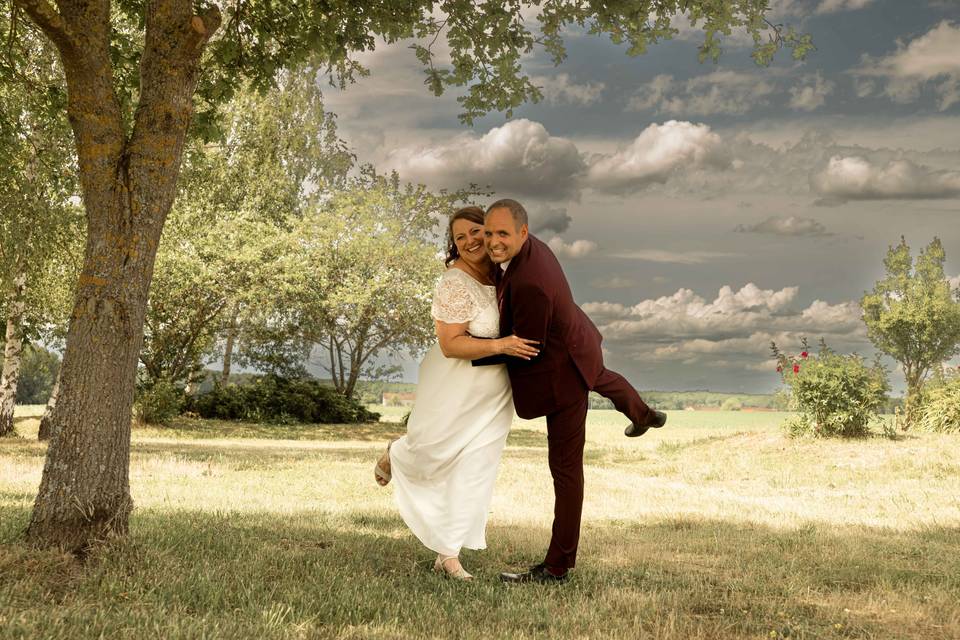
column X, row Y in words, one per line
column 538, row 573
column 655, row 419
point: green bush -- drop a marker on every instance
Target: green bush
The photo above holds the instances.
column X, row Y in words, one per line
column 940, row 411
column 158, row 403
column 836, row 395
column 38, row 372
column 275, row 399
column 731, row 404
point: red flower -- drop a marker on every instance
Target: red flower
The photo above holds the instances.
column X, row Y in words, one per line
column 804, row 355
column 796, row 368
column 779, row 368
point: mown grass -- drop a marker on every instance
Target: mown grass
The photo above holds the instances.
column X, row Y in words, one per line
column 714, row 527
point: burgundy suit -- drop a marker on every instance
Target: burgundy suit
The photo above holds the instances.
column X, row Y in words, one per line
column 536, row 303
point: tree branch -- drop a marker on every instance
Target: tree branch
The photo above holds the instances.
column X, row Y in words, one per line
column 46, row 16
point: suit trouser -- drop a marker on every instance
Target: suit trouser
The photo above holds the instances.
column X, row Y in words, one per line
column 566, row 433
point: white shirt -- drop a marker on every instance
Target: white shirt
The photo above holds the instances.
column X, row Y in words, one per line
column 504, row 265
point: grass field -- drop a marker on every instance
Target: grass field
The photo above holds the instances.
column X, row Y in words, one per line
column 716, row 526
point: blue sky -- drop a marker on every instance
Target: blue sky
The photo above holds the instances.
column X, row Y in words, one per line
column 701, row 210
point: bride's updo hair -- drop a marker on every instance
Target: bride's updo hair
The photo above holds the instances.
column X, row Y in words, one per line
column 473, row 214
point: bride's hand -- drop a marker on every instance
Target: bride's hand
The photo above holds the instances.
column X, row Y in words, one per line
column 518, row 347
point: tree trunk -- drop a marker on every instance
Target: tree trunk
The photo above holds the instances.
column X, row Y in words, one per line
column 12, row 355
column 46, row 422
column 911, row 408
column 228, row 346
column 128, row 188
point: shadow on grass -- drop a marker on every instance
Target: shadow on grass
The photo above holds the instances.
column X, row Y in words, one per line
column 526, row 438
column 312, row 574
column 241, row 455
column 671, row 447
column 198, row 428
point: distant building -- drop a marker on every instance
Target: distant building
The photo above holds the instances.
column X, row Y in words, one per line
column 398, row 399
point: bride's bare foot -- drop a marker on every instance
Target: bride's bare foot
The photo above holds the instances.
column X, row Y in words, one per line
column 381, row 471
column 450, row 565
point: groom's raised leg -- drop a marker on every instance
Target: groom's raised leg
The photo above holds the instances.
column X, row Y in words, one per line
column 566, row 432
column 614, row 387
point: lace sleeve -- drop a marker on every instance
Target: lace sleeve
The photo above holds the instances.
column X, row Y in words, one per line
column 453, row 301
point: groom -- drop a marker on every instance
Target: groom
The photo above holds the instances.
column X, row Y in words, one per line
column 536, row 303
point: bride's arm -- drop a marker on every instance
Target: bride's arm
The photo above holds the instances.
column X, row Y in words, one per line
column 455, row 342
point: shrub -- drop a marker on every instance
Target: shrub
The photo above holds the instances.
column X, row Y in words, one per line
column 940, row 411
column 38, row 372
column 731, row 404
column 272, row 398
column 159, row 402
column 836, row 395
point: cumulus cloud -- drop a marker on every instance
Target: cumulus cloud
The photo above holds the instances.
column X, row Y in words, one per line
column 789, row 226
column 520, row 157
column 559, row 89
column 523, row 158
column 737, row 325
column 858, row 178
column 720, row 92
column 575, row 249
column 931, row 59
column 549, row 219
column 658, row 152
column 811, row 94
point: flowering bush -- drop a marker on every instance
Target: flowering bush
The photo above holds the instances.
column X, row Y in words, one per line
column 835, row 395
column 940, row 410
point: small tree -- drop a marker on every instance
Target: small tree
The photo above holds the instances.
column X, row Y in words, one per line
column 39, row 226
column 369, row 264
column 836, row 395
column 912, row 316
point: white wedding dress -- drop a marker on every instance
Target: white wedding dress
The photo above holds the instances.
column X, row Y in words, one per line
column 444, row 468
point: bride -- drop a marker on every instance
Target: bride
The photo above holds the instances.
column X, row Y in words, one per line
column 444, row 468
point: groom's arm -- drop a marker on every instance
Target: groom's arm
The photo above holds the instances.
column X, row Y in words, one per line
column 532, row 313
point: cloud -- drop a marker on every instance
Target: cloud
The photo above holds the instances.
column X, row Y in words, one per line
column 812, row 94
column 720, row 92
column 834, row 6
column 929, row 59
column 954, row 282
column 672, row 257
column 799, row 8
column 614, row 282
column 523, row 158
column 789, row 226
column 736, row 326
column 520, row 157
column 576, row 249
column 858, row 178
column 558, row 89
column 658, row 152
column 547, row 219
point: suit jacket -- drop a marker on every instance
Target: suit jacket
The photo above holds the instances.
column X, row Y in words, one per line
column 536, row 303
